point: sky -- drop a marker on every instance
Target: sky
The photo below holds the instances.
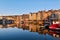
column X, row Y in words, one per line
column 18, row 7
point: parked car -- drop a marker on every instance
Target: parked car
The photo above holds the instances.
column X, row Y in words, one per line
column 54, row 27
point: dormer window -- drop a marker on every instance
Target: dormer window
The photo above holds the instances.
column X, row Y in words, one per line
column 53, row 17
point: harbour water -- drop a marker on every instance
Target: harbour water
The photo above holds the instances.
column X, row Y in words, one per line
column 31, row 32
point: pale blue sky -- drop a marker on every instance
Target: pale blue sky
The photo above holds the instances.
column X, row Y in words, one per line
column 17, row 7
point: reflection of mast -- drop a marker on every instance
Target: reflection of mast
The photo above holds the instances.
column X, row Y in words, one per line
column 4, row 21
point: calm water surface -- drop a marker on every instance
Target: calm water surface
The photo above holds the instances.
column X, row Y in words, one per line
column 20, row 34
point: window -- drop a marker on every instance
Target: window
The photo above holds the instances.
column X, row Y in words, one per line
column 53, row 17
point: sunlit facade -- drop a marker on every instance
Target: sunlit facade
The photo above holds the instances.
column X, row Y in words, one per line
column 35, row 17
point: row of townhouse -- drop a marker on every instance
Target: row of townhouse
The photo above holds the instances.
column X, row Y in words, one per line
column 33, row 17
column 39, row 17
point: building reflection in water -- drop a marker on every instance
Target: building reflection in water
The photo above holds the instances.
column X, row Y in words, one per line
column 36, row 28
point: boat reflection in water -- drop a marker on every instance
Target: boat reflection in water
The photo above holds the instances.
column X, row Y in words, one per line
column 28, row 32
column 54, row 33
